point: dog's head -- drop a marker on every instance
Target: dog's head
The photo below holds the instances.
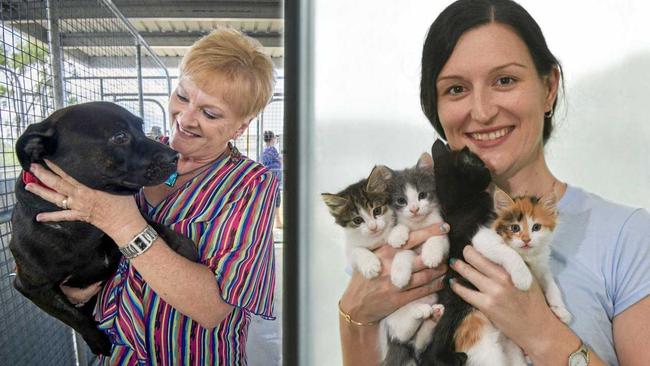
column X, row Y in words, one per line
column 101, row 145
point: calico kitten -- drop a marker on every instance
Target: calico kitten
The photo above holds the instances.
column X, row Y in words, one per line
column 462, row 333
column 526, row 224
column 362, row 210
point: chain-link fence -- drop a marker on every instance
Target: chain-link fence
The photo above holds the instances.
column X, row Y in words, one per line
column 55, row 53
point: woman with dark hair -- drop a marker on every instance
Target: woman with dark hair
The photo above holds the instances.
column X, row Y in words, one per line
column 490, row 82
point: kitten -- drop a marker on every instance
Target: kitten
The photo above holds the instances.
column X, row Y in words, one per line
column 413, row 199
column 463, row 334
column 363, row 210
column 526, row 224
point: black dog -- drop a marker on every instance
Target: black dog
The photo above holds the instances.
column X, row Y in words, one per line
column 102, row 146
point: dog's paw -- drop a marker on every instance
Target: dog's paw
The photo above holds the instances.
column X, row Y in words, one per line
column 398, row 236
column 369, row 266
column 562, row 313
column 400, row 276
column 522, row 278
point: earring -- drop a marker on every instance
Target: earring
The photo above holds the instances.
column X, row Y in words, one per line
column 235, row 155
column 549, row 114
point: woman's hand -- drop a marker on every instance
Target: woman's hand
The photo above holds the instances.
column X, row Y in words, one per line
column 522, row 316
column 370, row 300
column 113, row 214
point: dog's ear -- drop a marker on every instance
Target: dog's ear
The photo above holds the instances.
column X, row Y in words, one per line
column 37, row 142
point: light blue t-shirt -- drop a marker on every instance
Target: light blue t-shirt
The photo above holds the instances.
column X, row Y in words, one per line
column 601, row 262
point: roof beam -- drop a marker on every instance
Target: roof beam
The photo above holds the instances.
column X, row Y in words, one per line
column 154, row 39
column 146, row 9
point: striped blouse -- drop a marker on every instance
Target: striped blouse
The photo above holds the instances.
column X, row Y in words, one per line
column 228, row 212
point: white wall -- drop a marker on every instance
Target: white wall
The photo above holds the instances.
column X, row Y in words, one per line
column 367, row 111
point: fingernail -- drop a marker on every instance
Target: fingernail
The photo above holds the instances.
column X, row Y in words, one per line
column 28, row 187
column 451, row 281
column 32, row 167
column 38, row 217
column 452, row 261
column 444, row 228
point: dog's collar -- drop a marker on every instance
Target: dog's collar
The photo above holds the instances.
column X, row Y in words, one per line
column 31, row 178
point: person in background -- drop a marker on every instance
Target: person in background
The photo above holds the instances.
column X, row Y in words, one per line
column 272, row 160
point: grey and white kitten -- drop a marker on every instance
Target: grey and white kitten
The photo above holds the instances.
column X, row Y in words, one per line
column 414, row 201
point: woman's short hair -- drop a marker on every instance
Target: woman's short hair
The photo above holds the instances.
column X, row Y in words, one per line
column 464, row 15
column 238, row 60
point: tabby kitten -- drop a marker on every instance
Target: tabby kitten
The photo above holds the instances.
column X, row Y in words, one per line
column 362, row 210
column 526, row 224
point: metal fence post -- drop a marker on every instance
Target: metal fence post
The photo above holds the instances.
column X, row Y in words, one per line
column 138, row 66
column 55, row 53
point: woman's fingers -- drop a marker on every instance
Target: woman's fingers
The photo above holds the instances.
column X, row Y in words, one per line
column 471, row 274
column 472, row 297
column 80, row 296
column 485, row 266
column 417, row 237
column 46, row 194
column 52, row 180
column 426, row 276
column 66, row 215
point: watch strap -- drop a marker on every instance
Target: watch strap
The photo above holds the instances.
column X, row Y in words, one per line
column 581, row 352
column 140, row 243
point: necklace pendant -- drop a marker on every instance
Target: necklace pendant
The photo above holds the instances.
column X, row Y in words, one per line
column 172, row 179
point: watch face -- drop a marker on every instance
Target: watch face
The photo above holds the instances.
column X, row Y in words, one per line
column 578, row 359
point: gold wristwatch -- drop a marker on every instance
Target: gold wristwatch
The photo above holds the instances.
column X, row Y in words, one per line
column 580, row 357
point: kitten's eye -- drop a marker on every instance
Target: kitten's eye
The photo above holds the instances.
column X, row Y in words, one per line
column 376, row 211
column 515, row 228
column 537, row 227
column 422, row 195
column 401, row 201
column 358, row 220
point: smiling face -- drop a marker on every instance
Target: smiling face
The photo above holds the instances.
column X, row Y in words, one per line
column 202, row 123
column 491, row 99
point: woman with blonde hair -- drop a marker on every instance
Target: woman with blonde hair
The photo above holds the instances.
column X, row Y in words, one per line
column 160, row 308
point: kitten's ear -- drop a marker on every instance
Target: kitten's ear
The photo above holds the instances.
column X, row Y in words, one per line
column 502, row 200
column 425, row 161
column 549, row 202
column 378, row 178
column 439, row 148
column 335, row 203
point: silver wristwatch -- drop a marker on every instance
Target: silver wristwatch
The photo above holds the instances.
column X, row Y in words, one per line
column 580, row 357
column 140, row 243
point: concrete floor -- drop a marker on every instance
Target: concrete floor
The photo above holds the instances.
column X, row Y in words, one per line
column 264, row 347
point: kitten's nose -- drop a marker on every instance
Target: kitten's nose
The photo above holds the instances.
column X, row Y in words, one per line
column 414, row 210
column 372, row 226
column 526, row 240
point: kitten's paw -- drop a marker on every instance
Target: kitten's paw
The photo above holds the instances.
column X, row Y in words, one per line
column 562, row 313
column 369, row 266
column 398, row 236
column 522, row 278
column 438, row 310
column 432, row 254
column 422, row 311
column 400, row 276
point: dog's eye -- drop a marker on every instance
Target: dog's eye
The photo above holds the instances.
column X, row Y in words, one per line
column 120, row 138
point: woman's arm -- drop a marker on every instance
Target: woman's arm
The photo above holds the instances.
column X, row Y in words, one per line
column 189, row 287
column 632, row 334
column 370, row 300
column 523, row 316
